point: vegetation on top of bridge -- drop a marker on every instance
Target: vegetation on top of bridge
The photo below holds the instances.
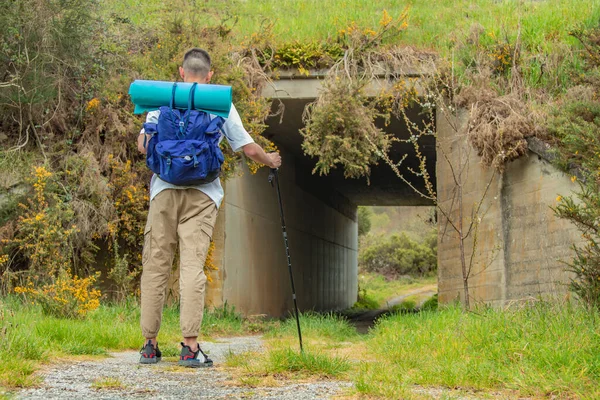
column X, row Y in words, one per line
column 303, row 31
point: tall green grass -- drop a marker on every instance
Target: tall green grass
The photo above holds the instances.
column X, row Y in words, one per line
column 315, row 325
column 541, row 350
column 29, row 338
column 432, row 24
column 536, row 351
column 323, row 335
column 290, row 362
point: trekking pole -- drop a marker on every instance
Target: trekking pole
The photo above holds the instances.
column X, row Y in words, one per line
column 274, row 176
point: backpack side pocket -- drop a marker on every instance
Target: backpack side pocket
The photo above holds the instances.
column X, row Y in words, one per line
column 152, row 159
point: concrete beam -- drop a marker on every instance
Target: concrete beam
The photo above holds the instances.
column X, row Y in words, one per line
column 294, row 85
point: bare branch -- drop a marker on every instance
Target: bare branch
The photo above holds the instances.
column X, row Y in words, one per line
column 480, row 203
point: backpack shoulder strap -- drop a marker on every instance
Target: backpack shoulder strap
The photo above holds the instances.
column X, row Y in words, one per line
column 172, row 104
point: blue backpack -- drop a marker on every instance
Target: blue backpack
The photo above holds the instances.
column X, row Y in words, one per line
column 184, row 147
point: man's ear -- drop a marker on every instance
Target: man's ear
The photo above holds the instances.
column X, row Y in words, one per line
column 209, row 76
column 181, row 73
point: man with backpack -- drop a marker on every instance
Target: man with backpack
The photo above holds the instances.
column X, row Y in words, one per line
column 185, row 209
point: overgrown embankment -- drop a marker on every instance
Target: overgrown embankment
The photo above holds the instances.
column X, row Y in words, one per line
column 30, row 338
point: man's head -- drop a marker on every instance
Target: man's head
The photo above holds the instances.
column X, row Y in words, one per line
column 196, row 66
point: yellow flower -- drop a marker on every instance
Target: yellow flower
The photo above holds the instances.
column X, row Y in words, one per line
column 92, row 104
column 559, row 198
column 573, row 178
column 385, row 19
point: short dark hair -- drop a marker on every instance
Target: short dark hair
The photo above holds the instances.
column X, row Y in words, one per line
column 196, row 62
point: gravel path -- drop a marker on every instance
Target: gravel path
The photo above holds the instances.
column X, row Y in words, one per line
column 167, row 381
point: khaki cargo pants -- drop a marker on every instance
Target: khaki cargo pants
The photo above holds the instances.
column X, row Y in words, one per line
column 187, row 215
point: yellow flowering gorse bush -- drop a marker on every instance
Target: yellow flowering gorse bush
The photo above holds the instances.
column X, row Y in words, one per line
column 44, row 228
column 67, row 297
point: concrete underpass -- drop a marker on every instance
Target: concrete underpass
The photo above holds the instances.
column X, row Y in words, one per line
column 320, row 214
column 520, row 245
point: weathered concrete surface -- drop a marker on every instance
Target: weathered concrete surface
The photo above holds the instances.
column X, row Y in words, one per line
column 253, row 274
column 291, row 84
column 520, row 243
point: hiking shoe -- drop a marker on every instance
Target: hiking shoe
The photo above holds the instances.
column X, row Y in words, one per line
column 150, row 354
column 193, row 359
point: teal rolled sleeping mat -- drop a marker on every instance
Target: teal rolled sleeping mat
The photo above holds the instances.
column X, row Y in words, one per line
column 150, row 95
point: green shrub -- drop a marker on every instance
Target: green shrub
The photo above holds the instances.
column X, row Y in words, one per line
column 577, row 124
column 44, row 230
column 407, row 305
column 67, row 297
column 364, row 220
column 431, row 304
column 47, row 55
column 365, row 301
column 583, row 209
column 398, row 255
column 67, row 105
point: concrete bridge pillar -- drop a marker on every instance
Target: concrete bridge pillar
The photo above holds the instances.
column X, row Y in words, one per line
column 250, row 254
column 520, row 243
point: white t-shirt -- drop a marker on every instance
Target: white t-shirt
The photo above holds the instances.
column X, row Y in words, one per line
column 237, row 137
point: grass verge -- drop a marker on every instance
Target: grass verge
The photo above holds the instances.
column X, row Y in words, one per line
column 326, row 340
column 539, row 351
column 29, row 338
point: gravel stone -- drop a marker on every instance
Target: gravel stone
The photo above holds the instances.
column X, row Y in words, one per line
column 163, row 381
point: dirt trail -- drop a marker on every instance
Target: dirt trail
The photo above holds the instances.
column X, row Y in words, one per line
column 422, row 294
column 88, row 379
column 364, row 321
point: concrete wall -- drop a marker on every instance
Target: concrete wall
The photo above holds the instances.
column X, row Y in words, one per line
column 253, row 274
column 519, row 241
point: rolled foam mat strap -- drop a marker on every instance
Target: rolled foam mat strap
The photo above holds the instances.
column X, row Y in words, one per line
column 150, row 95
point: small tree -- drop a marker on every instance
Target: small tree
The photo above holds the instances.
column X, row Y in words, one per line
column 364, row 220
